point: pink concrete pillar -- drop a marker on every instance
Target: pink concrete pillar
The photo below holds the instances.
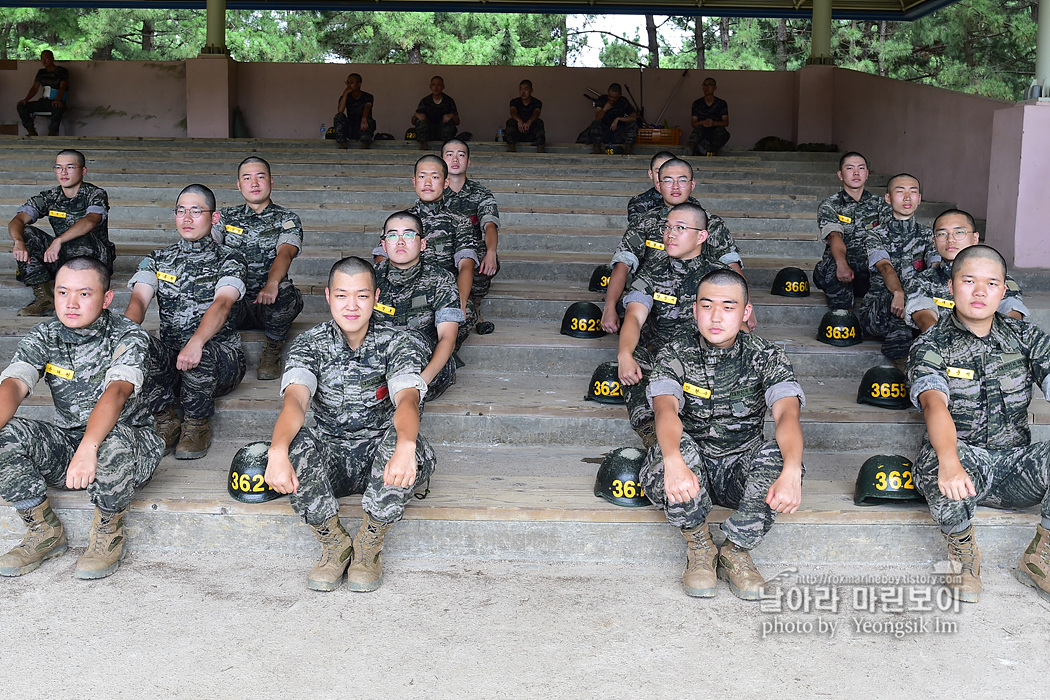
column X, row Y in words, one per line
column 211, row 95
column 816, row 100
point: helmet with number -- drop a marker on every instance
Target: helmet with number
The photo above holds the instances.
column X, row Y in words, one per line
column 885, row 387
column 791, row 282
column 411, row 135
column 600, row 278
column 840, row 327
column 885, row 478
column 605, row 384
column 617, row 480
column 613, row 149
column 246, row 482
column 582, row 320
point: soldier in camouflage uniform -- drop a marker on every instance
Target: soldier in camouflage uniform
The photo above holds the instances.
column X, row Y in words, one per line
column 78, row 213
column 651, row 198
column 198, row 357
column 474, row 201
column 363, row 382
column 710, row 387
column 101, row 440
column 899, row 248
column 929, row 296
column 972, row 374
column 420, row 297
column 844, row 220
column 615, row 121
column 268, row 237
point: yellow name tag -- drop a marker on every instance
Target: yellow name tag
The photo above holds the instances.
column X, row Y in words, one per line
column 960, row 373
column 654, row 244
column 165, row 277
column 58, row 371
column 665, row 298
column 234, row 229
column 845, row 219
column 696, row 390
column 57, row 214
column 388, row 310
column 944, row 303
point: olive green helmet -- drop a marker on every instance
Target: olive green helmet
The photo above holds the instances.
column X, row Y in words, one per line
column 791, row 282
column 582, row 320
column 885, row 387
column 617, row 480
column 600, row 278
column 246, row 483
column 605, row 384
column 885, row 478
column 840, row 327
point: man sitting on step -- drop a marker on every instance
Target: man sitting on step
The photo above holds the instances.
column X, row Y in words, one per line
column 268, row 237
column 353, row 117
column 419, row 296
column 525, row 124
column 615, row 121
column 436, row 117
column 198, row 357
column 650, row 199
column 101, row 440
column 363, row 381
column 78, row 213
column 710, row 389
column 971, row 374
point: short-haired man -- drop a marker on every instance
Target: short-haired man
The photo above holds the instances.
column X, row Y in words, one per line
column 844, row 220
column 419, row 296
column 710, row 389
column 972, row 375
column 650, row 199
column 615, row 121
column 473, row 200
column 198, row 357
column 101, row 440
column 709, row 119
column 363, row 381
column 525, row 124
column 268, row 237
column 436, row 117
column 353, row 119
column 53, row 80
column 929, row 294
column 78, row 213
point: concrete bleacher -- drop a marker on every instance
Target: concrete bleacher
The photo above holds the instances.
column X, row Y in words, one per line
column 517, row 444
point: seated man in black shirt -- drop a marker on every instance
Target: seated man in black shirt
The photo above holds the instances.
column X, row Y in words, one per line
column 436, row 116
column 353, row 120
column 615, row 121
column 54, row 79
column 710, row 118
column 525, row 123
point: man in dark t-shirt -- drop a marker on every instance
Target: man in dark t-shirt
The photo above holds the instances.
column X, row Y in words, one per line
column 525, row 123
column 710, row 117
column 436, row 116
column 615, row 120
column 54, row 80
column 353, row 119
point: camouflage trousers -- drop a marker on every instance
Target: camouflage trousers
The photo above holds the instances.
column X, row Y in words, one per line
column 445, row 378
column 274, row 319
column 1016, row 477
column 626, row 132
column 839, row 295
column 471, row 320
column 220, row 370
column 330, row 467
column 739, row 481
column 36, row 271
column 425, row 131
column 482, row 283
column 707, row 138
column 877, row 319
column 536, row 133
column 638, row 410
column 36, row 454
column 350, row 130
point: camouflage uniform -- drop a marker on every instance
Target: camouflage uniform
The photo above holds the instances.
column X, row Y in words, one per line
column 476, row 203
column 722, row 397
column 642, row 203
column 988, row 382
column 78, row 365
column 908, row 245
column 600, row 130
column 62, row 212
column 668, row 290
column 643, row 242
column 257, row 237
column 353, row 437
column 419, row 298
column 929, row 290
column 185, row 277
column 852, row 220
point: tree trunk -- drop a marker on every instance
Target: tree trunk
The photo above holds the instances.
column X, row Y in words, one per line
column 147, row 35
column 654, row 41
column 782, row 49
column 564, row 40
column 883, row 70
column 415, row 56
column 723, row 32
column 698, row 38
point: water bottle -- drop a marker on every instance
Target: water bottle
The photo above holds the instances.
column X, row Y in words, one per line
column 499, row 135
column 323, row 131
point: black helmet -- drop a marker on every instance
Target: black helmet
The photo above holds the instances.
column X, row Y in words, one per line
column 246, row 482
column 885, row 387
column 582, row 320
column 605, row 384
column 600, row 278
column 411, row 135
column 840, row 327
column 885, row 478
column 791, row 282
column 617, row 479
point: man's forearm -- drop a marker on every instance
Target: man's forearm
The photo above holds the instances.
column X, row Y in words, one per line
column 106, row 413
column 213, row 320
column 491, row 236
column 12, row 393
column 80, row 228
column 889, row 276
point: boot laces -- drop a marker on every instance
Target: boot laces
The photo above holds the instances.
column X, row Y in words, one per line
column 963, row 550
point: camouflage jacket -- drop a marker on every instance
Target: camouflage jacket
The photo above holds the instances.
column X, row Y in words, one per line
column 643, row 242
column 185, row 277
column 723, row 394
column 908, row 245
column 988, row 381
column 449, row 236
column 475, row 202
column 257, row 237
column 852, row 220
column 78, row 365
column 62, row 212
column 643, row 203
column 353, row 390
column 929, row 290
column 418, row 298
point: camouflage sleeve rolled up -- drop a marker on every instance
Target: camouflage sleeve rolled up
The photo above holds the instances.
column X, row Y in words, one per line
column 877, row 245
column 35, row 207
column 465, row 246
column 487, row 209
column 97, row 201
column 631, row 249
column 145, row 274
column 446, row 299
column 302, row 366
column 1014, row 299
column 232, row 273
column 406, row 356
column 667, row 376
column 640, row 291
column 30, row 358
column 828, row 221
column 720, row 243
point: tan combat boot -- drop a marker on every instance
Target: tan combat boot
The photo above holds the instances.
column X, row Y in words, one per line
column 736, row 567
column 195, row 439
column 647, row 432
column 43, row 303
column 699, row 580
column 1034, row 569
column 45, row 538
column 167, row 425
column 366, row 573
column 270, row 360
column 337, row 549
column 106, row 546
column 962, row 551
